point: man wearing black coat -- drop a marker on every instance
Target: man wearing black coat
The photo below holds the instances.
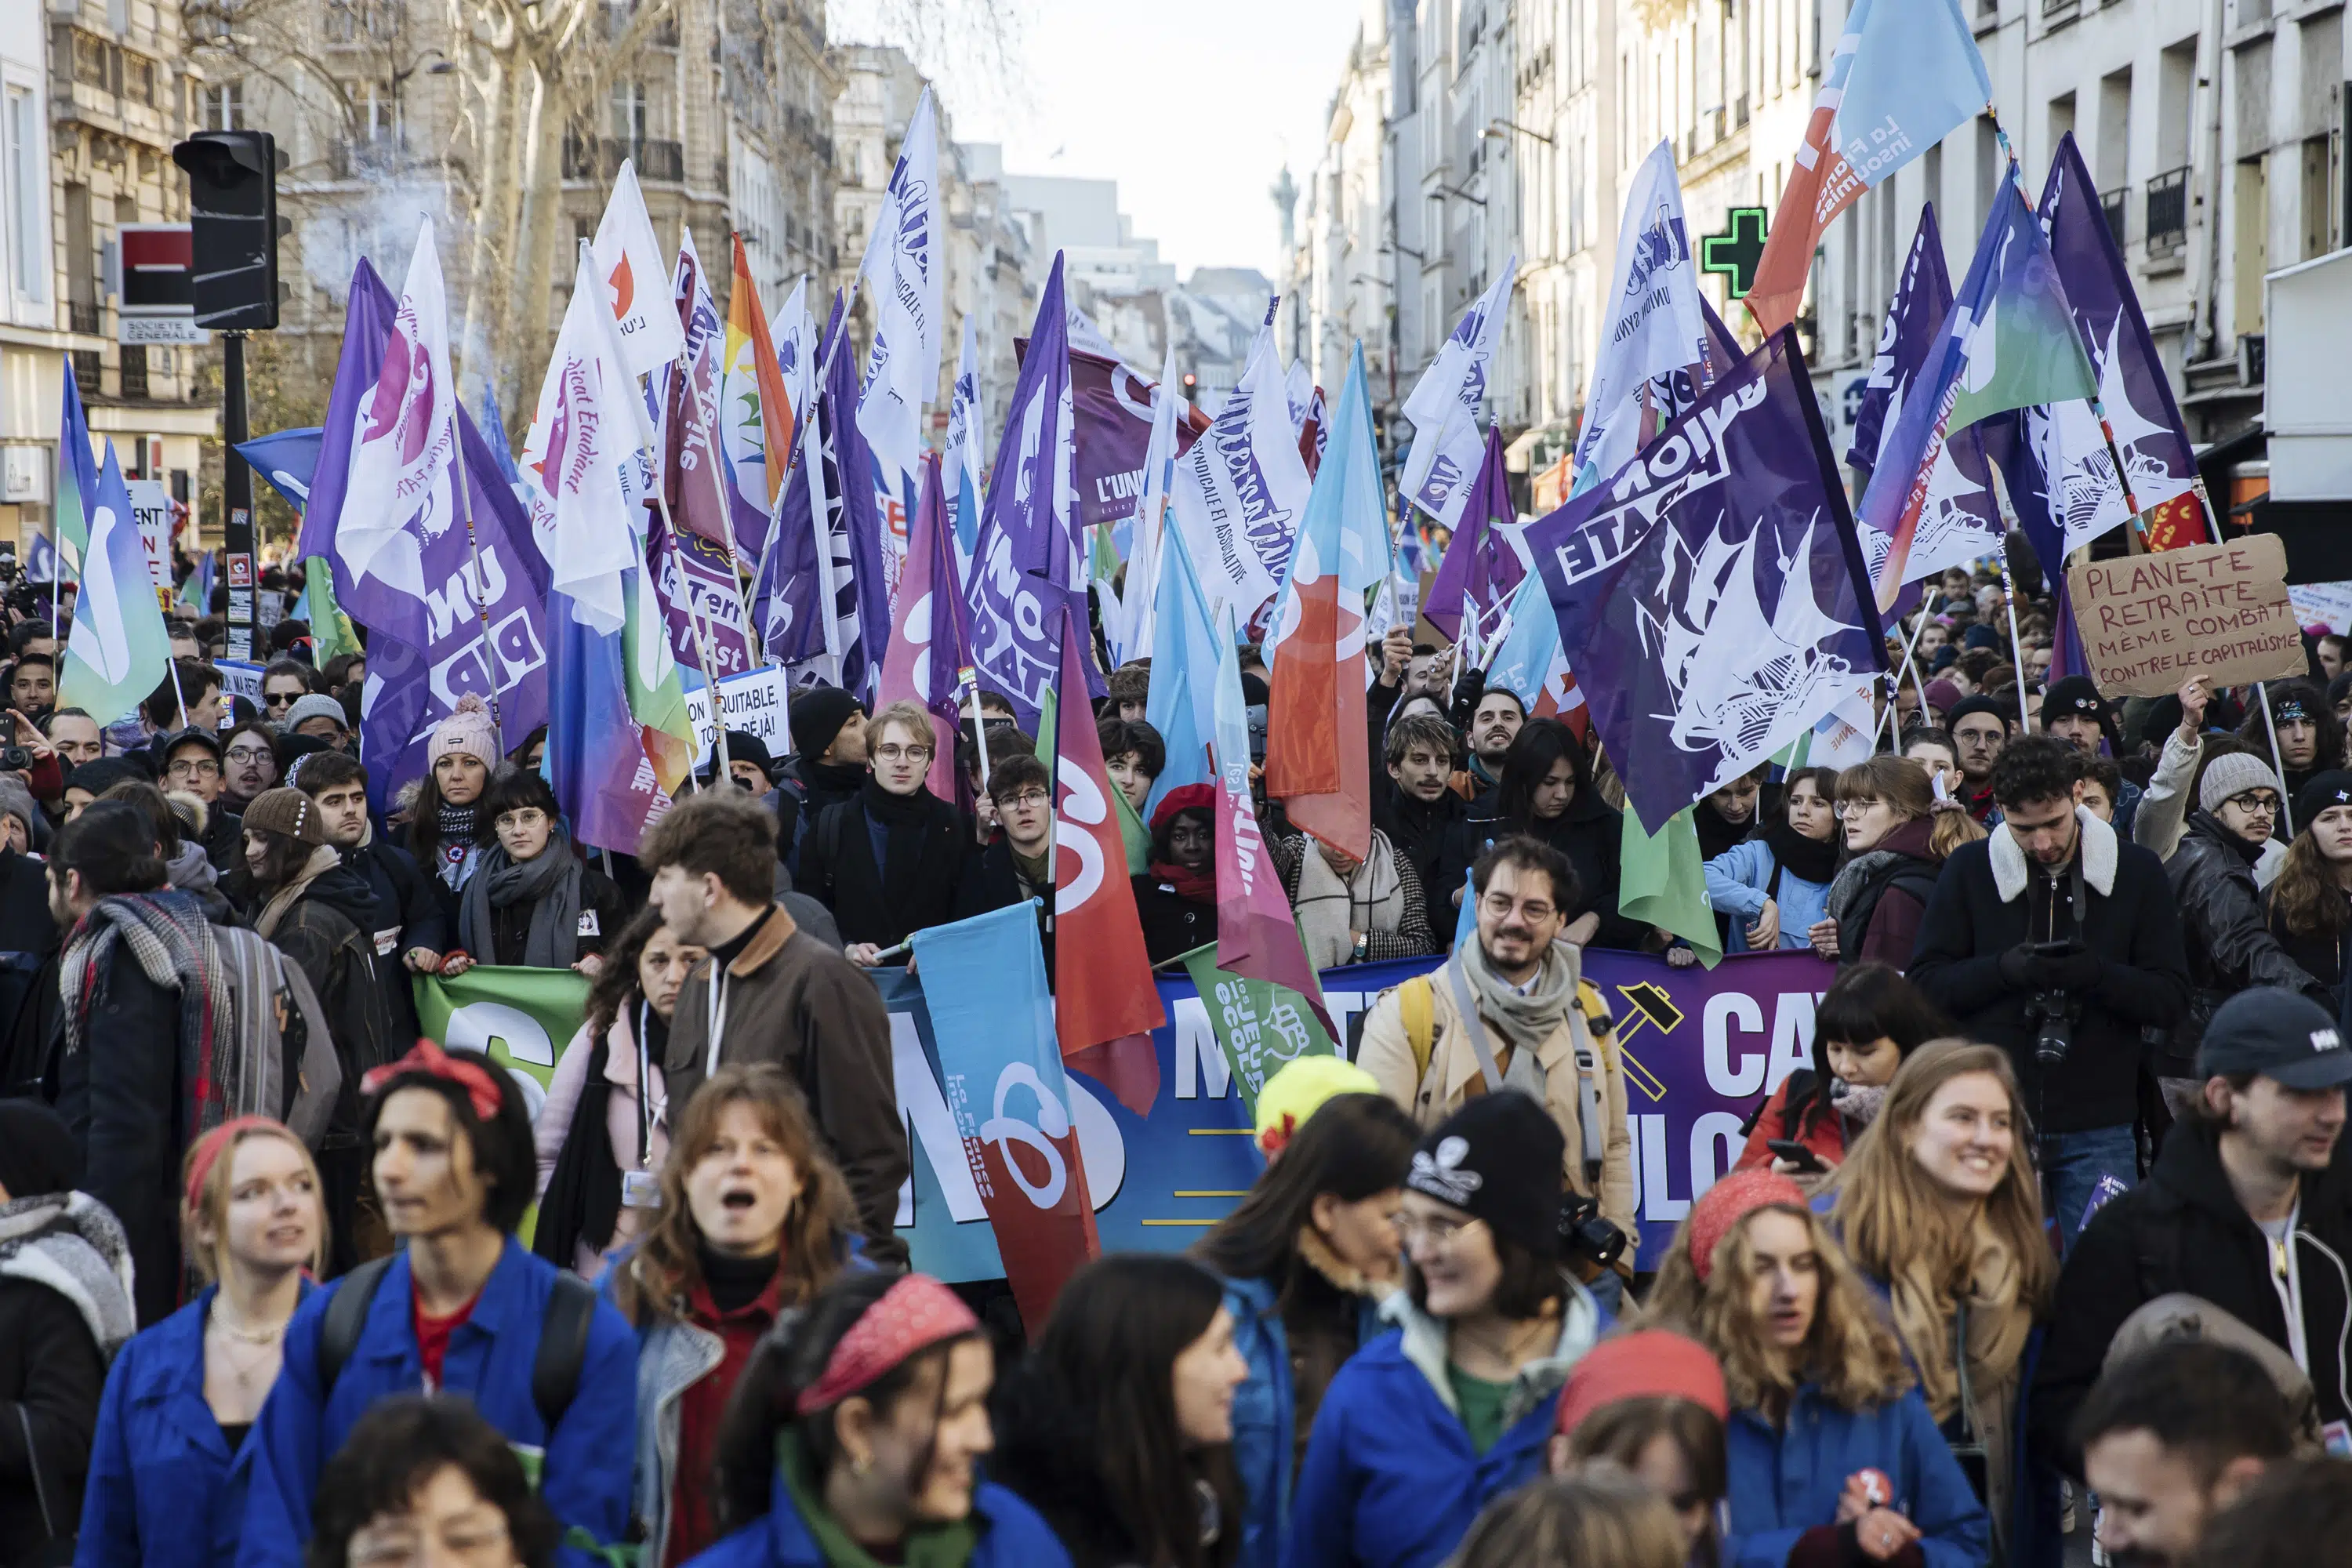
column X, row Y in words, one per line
column 404, row 925
column 1417, row 810
column 889, row 862
column 1017, row 864
column 827, row 765
column 2054, row 929
column 2249, row 1208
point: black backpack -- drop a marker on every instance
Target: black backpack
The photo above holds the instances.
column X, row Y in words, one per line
column 554, row 1369
column 1912, row 875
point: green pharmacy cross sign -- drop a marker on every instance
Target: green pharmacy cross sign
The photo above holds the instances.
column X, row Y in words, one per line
column 1736, row 251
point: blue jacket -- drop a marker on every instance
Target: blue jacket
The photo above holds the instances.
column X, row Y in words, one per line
column 1785, row 1483
column 1265, row 1416
column 1013, row 1535
column 1736, row 882
column 1391, row 1480
column 164, row 1492
column 489, row 1361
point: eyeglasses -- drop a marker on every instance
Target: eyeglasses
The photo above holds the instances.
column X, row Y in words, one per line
column 250, row 754
column 1028, row 798
column 894, row 753
column 1500, row 904
column 2263, row 804
column 522, row 816
column 193, row 768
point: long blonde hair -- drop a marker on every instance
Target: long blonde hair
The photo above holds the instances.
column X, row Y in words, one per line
column 1887, row 1208
column 1851, row 1352
column 208, row 1210
column 1602, row 1520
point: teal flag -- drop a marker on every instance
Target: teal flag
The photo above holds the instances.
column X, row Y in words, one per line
column 1661, row 881
column 1261, row 1026
column 118, row 652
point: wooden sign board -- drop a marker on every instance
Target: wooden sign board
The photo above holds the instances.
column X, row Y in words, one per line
column 2221, row 611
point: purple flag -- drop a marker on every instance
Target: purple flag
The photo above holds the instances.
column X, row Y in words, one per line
column 367, row 327
column 799, row 623
column 691, row 573
column 1028, row 527
column 862, row 593
column 1481, row 561
column 689, row 445
column 1711, row 593
column 1922, row 297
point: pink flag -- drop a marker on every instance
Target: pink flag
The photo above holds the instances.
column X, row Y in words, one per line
column 929, row 650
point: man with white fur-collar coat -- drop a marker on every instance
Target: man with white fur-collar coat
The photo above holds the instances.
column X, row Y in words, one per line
column 2055, row 930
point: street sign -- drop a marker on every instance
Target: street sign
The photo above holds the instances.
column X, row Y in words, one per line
column 155, row 303
column 1736, row 251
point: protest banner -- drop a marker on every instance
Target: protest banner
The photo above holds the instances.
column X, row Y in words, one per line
column 1702, row 1049
column 2149, row 622
column 2322, row 607
column 239, row 678
column 151, row 505
column 756, row 701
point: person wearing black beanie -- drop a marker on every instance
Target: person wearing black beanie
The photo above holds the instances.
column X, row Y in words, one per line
column 828, row 764
column 1981, row 727
column 1423, row 1427
column 2073, row 711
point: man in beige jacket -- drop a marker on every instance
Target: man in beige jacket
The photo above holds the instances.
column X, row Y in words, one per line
column 1542, row 1031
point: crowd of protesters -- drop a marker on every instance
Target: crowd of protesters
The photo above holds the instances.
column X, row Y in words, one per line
column 2052, row 1235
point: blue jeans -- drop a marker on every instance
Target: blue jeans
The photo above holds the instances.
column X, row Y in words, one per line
column 2071, row 1165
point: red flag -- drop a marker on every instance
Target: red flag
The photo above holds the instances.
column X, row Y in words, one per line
column 2177, row 522
column 1105, row 1004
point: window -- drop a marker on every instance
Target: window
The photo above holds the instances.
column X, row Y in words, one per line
column 225, row 106
column 140, row 79
column 629, row 112
column 22, row 191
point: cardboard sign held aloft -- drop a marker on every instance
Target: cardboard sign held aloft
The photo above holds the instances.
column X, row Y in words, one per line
column 2221, row 611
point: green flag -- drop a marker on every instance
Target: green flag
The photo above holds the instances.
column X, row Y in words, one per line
column 518, row 1017
column 1662, row 882
column 1138, row 838
column 329, row 627
column 1262, row 1028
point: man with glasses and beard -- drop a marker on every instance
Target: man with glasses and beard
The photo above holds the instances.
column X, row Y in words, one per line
column 889, row 860
column 249, row 762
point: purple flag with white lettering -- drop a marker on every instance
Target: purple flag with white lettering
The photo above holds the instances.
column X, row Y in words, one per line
column 1028, row 529
column 797, row 626
column 1481, row 561
column 1711, row 594
column 367, row 326
column 696, row 585
column 1922, row 297
column 862, row 596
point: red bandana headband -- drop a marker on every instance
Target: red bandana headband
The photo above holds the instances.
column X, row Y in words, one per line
column 913, row 1315
column 425, row 1057
column 208, row 1149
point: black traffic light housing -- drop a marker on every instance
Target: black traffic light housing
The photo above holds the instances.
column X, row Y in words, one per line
column 235, row 226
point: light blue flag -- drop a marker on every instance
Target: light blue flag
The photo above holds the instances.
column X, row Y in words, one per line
column 1466, row 921
column 1183, row 701
column 1529, row 656
column 118, row 652
column 1917, row 77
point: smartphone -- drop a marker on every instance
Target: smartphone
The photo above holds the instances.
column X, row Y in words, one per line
column 2056, row 949
column 1797, row 1154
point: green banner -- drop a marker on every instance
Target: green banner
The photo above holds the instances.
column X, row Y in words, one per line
column 522, row 1017
column 1262, row 1028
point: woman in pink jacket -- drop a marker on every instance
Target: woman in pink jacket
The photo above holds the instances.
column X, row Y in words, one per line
column 602, row 1133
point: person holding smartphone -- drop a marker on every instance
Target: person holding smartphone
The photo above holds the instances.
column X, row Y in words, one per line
column 1866, row 1023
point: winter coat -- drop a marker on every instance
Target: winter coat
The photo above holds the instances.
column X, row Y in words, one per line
column 65, row 1308
column 165, row 1491
column 838, row 868
column 2317, row 953
column 489, row 1361
column 1786, row 1482
column 992, row 881
column 223, row 840
column 1879, row 897
column 2229, row 946
column 1391, row 1480
column 554, row 1122
column 1590, row 833
column 2164, row 804
column 1173, row 925
column 1826, row 1136
column 29, row 940
column 1266, row 1414
column 1739, row 879
column 1419, row 829
column 1046, row 1455
column 404, row 913
column 1386, row 1052
column 1011, row 1535
column 2182, row 1230
column 804, row 790
column 328, row 932
column 1979, row 913
column 790, row 1000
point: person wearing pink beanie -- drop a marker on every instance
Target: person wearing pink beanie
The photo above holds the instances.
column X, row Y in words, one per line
column 1650, row 1403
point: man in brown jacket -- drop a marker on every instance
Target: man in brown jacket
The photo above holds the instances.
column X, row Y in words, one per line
column 772, row 993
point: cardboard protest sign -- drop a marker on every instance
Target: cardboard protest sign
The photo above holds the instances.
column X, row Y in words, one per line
column 2150, row 621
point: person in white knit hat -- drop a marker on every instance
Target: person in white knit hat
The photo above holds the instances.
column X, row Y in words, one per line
column 443, row 832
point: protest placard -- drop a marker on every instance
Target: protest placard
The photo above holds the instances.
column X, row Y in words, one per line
column 2149, row 622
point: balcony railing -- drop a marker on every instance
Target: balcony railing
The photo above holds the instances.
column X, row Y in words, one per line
column 2112, row 203
column 83, row 317
column 135, row 370
column 85, row 371
column 586, row 158
column 2167, row 211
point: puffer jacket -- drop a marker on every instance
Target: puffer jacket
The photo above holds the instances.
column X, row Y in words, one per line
column 2229, row 945
column 1743, row 877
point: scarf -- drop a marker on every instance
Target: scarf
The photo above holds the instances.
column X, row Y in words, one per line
column 167, row 936
column 1998, row 1326
column 582, row 1200
column 72, row 1244
column 1526, row 1020
column 1332, row 911
column 190, row 872
column 1807, row 859
column 324, row 859
column 902, row 818
column 549, row 883
column 458, row 826
column 1857, row 1102
column 1194, row 887
column 950, row 1546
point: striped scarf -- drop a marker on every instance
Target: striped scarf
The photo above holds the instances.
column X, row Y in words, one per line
column 167, row 936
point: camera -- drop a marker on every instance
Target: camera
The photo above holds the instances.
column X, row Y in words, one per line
column 1588, row 1237
column 2053, row 1016
column 14, row 759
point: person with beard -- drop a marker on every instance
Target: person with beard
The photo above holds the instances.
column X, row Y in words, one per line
column 1176, row 895
column 1866, row 1023
column 891, row 861
column 249, row 762
column 2310, row 736
column 1775, row 886
column 444, row 825
column 532, row 901
column 1548, row 794
column 1726, row 816
column 1494, row 723
column 1417, row 811
column 2213, row 874
column 406, row 926
column 2053, row 927
column 191, row 761
column 827, row 765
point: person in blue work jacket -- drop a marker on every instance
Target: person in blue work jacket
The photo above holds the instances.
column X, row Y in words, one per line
column 1428, row 1423
column 463, row 1308
column 1307, row 1258
column 168, row 1467
column 1832, row 1455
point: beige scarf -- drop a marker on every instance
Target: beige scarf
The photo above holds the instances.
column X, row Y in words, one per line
column 1332, row 911
column 323, row 859
column 1998, row 1326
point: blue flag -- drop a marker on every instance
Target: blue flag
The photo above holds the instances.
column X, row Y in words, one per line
column 1181, row 704
column 118, row 651
column 1711, row 594
column 494, row 435
column 287, row 461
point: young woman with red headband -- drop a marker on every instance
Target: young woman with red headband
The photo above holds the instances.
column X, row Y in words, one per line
column 164, row 1488
column 854, row 1436
column 462, row 1307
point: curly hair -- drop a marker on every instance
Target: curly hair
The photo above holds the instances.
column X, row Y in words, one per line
column 2036, row 767
column 2306, row 900
column 1418, row 729
column 1851, row 1352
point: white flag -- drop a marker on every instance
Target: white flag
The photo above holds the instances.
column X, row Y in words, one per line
column 636, row 280
column 904, row 268
column 574, row 459
column 1447, row 443
column 1241, row 491
column 1151, row 516
column 1654, row 331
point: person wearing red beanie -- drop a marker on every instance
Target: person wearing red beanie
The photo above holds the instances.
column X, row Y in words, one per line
column 1176, row 899
column 1650, row 1403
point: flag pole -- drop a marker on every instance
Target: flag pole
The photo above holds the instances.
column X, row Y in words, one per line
column 1895, row 681
column 2263, row 695
column 694, row 621
column 2016, row 650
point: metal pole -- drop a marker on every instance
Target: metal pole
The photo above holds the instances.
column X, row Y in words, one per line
column 237, row 498
column 2016, row 652
column 2286, row 813
column 702, row 642
column 1895, row 681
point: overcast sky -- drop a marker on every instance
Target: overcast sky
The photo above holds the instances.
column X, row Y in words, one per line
column 1192, row 108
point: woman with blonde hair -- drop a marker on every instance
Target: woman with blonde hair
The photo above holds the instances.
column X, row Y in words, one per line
column 165, row 1489
column 1830, row 1449
column 1938, row 1207
column 1895, row 842
column 754, row 1219
column 1594, row 1521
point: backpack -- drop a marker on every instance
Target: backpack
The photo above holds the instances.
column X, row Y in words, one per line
column 554, row 1367
column 289, row 1068
column 1417, row 1010
column 1913, row 875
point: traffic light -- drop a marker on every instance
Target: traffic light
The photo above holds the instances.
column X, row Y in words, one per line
column 1192, row 386
column 233, row 202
